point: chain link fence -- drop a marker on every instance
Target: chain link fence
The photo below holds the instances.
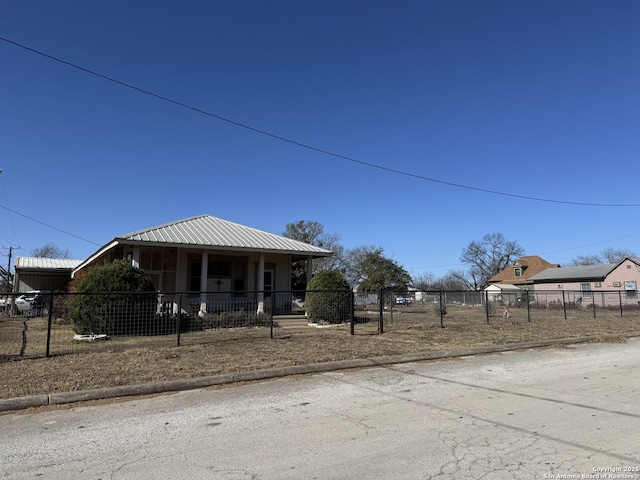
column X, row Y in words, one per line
column 58, row 323
column 61, row 323
column 401, row 311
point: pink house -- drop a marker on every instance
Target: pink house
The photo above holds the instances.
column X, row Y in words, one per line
column 602, row 285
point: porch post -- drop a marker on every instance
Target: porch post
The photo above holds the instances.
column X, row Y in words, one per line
column 135, row 262
column 204, row 266
column 261, row 284
column 309, row 269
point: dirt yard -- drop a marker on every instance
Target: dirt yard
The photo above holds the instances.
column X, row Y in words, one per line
column 122, row 362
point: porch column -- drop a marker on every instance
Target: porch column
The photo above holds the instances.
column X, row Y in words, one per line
column 135, row 261
column 309, row 269
column 204, row 267
column 261, row 284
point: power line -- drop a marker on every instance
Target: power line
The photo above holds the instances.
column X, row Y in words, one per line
column 6, row 199
column 542, row 253
column 49, row 226
column 307, row 146
column 592, row 244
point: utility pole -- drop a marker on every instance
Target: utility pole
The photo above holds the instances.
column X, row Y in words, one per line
column 8, row 276
column 9, row 288
column 9, row 267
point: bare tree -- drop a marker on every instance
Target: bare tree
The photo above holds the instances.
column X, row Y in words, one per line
column 612, row 255
column 608, row 255
column 457, row 280
column 454, row 280
column 488, row 257
column 425, row 282
column 312, row 232
column 50, row 250
column 586, row 260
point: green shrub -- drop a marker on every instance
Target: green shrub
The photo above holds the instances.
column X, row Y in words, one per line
column 115, row 299
column 328, row 298
column 236, row 319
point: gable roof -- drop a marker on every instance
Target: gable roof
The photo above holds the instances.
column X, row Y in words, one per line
column 531, row 265
column 207, row 232
column 582, row 272
column 502, row 287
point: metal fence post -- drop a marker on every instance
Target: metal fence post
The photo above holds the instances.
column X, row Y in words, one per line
column 486, row 305
column 564, row 305
column 49, row 321
column 441, row 311
column 271, row 317
column 179, row 321
column 352, row 312
column 528, row 308
column 381, row 321
column 620, row 301
column 593, row 304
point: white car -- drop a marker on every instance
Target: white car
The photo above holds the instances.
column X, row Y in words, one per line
column 23, row 303
column 32, row 303
column 403, row 300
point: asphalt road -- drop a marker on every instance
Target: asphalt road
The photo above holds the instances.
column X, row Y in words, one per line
column 568, row 412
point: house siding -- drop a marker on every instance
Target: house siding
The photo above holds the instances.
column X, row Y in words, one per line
column 607, row 291
column 627, row 271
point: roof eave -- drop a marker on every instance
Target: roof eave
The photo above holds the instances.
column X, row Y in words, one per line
column 570, row 279
column 145, row 243
column 96, row 255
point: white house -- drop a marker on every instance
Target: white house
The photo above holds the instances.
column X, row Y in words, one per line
column 209, row 256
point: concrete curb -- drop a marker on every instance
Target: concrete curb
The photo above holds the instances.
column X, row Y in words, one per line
column 21, row 403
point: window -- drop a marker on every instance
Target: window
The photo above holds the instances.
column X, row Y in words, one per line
column 194, row 273
column 225, row 274
column 616, row 284
column 238, row 284
column 219, row 268
column 161, row 264
column 518, row 271
column 586, row 290
column 630, row 290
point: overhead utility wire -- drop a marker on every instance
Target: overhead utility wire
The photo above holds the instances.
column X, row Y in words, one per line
column 592, row 244
column 47, row 225
column 6, row 199
column 307, row 146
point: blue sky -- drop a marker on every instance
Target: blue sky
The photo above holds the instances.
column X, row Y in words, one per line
column 532, row 99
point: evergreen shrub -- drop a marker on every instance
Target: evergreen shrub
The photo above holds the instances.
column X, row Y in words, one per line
column 115, row 299
column 328, row 298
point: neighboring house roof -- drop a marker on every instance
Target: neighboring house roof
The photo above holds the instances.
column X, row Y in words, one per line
column 582, row 272
column 529, row 265
column 46, row 263
column 502, row 287
column 205, row 231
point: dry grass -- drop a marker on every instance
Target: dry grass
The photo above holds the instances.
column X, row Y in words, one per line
column 132, row 361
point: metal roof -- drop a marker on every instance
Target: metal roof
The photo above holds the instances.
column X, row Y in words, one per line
column 47, row 263
column 208, row 231
column 504, row 287
column 574, row 273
